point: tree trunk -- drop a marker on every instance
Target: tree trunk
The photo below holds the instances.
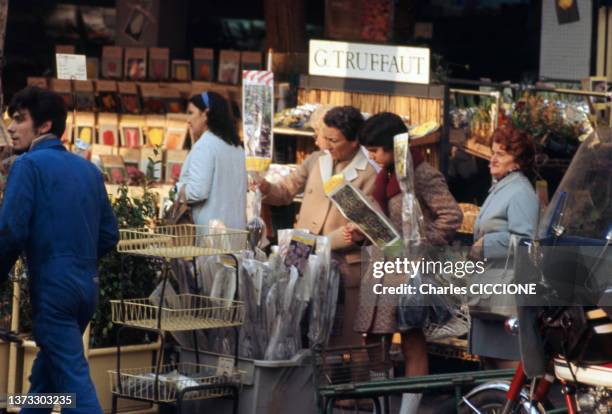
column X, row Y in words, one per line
column 285, row 25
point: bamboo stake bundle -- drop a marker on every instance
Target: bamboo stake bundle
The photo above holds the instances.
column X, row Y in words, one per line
column 418, row 110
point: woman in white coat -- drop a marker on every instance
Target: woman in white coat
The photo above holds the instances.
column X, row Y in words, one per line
column 213, row 178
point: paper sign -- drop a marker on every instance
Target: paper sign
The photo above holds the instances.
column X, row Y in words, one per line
column 225, row 366
column 71, row 66
column 258, row 115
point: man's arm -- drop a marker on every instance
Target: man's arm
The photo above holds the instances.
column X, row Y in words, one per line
column 15, row 213
column 108, row 234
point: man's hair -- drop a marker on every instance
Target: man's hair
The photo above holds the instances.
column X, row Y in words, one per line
column 43, row 105
column 347, row 119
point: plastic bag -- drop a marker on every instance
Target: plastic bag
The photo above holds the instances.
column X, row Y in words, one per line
column 413, row 224
column 412, row 310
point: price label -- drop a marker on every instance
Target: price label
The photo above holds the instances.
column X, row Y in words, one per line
column 225, row 366
column 71, row 66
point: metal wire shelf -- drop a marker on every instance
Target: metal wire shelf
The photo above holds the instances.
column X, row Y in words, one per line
column 141, row 383
column 350, row 365
column 179, row 313
column 181, row 241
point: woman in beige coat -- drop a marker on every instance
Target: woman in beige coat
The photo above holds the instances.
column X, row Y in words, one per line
column 376, row 314
column 318, row 214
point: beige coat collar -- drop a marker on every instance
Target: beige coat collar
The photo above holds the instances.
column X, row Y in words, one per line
column 359, row 162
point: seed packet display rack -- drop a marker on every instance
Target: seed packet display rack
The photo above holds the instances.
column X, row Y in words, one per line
column 175, row 383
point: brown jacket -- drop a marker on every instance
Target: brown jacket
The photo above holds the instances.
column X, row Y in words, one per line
column 317, row 213
column 442, row 216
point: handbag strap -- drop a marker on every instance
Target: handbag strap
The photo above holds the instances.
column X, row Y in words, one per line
column 182, row 197
column 512, row 244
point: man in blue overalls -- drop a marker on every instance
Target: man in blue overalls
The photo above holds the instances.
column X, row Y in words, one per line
column 56, row 210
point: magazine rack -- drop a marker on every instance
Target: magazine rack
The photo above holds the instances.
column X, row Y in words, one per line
column 175, row 383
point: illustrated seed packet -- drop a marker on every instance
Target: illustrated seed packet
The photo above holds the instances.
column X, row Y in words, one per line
column 203, row 64
column 107, row 96
column 135, row 63
column 112, row 62
column 174, row 163
column 85, row 98
column 113, row 168
column 130, row 102
column 158, row 63
column 355, row 207
column 229, row 67
column 300, row 247
column 181, row 70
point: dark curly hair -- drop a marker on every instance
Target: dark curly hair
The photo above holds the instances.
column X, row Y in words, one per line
column 379, row 130
column 347, row 119
column 43, row 106
column 221, row 121
column 519, row 144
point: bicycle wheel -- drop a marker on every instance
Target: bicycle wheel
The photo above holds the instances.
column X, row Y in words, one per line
column 492, row 401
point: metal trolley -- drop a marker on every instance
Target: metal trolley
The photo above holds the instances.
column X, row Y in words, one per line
column 175, row 383
column 364, row 372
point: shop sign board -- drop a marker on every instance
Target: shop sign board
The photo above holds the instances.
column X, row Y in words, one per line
column 369, row 61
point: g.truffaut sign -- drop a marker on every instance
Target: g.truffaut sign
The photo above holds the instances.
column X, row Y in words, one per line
column 367, row 61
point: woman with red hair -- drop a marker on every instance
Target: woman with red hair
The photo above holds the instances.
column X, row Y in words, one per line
column 509, row 212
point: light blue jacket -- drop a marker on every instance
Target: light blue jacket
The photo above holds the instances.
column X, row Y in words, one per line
column 214, row 174
column 510, row 209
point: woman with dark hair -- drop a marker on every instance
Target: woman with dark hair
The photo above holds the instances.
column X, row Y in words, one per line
column 376, row 315
column 510, row 211
column 213, row 178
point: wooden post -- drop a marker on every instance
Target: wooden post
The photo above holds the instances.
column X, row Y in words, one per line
column 285, row 25
column 3, row 18
column 11, row 387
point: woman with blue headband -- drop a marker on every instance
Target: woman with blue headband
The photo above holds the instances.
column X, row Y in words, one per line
column 213, row 179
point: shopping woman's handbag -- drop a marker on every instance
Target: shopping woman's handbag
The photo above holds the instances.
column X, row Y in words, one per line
column 487, row 305
column 180, row 212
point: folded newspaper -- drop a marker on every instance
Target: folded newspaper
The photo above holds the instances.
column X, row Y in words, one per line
column 357, row 208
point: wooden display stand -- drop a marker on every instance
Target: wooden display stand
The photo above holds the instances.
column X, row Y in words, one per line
column 420, row 103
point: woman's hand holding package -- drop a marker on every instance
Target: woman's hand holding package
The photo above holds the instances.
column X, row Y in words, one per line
column 352, row 234
column 477, row 251
column 258, row 181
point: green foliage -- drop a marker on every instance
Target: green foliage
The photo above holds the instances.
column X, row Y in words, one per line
column 547, row 124
column 124, row 275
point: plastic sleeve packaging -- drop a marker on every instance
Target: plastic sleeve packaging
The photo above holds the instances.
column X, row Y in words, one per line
column 412, row 217
column 325, row 285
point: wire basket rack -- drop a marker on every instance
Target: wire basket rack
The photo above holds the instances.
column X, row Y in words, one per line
column 178, row 313
column 349, row 365
column 181, row 241
column 140, row 383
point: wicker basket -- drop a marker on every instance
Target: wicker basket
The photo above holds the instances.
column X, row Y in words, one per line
column 179, row 313
column 140, row 382
column 181, row 241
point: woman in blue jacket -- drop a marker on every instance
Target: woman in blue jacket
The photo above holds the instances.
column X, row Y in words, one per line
column 511, row 209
